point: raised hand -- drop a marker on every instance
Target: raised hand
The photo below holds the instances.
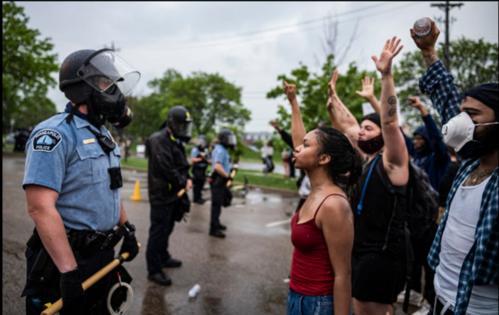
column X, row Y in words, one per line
column 426, row 43
column 290, row 91
column 367, row 91
column 390, row 50
column 331, row 86
column 274, row 124
column 416, row 103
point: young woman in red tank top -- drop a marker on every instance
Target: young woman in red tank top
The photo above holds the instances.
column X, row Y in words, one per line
column 322, row 229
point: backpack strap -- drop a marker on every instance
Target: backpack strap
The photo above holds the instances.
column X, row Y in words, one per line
column 360, row 205
column 323, row 200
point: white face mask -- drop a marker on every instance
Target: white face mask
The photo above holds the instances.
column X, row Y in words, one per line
column 459, row 130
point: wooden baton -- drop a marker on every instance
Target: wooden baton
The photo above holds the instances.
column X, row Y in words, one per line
column 57, row 306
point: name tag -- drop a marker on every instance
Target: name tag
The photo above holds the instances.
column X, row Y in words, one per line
column 88, row 141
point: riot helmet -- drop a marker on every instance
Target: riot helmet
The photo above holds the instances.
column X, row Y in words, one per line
column 201, row 142
column 227, row 138
column 179, row 122
column 101, row 80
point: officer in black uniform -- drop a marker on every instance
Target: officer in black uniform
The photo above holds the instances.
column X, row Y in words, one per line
column 199, row 159
column 168, row 176
column 72, row 180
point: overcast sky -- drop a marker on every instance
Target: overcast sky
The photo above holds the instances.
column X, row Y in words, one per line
column 249, row 43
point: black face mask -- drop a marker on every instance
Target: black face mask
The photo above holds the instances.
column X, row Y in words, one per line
column 109, row 105
column 371, row 146
column 124, row 120
column 482, row 145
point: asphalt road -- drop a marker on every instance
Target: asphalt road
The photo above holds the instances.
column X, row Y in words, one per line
column 242, row 274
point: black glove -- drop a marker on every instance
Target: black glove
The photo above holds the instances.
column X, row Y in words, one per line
column 73, row 298
column 129, row 244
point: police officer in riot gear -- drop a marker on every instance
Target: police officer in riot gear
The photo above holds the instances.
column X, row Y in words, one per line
column 221, row 168
column 72, row 180
column 168, row 182
column 200, row 162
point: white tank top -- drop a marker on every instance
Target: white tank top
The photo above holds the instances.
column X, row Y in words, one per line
column 457, row 240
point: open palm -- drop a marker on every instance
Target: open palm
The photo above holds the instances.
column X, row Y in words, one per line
column 367, row 88
column 390, row 50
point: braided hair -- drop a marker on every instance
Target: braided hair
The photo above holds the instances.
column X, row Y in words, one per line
column 345, row 167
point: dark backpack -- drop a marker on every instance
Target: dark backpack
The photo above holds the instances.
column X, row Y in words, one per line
column 420, row 221
column 422, row 202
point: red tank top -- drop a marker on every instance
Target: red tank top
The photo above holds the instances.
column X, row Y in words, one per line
column 311, row 270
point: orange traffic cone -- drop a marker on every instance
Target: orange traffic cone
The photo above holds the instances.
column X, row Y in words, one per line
column 136, row 192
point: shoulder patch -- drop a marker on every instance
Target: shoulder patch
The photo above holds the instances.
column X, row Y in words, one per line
column 46, row 140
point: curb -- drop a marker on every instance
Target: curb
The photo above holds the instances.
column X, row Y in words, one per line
column 263, row 188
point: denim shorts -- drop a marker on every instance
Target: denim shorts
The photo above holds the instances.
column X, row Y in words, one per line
column 299, row 304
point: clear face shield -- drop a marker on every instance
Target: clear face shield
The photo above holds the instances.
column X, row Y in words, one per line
column 187, row 130
column 232, row 140
column 183, row 131
column 105, row 69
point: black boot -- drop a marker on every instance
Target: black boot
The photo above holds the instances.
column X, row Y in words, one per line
column 217, row 233
column 160, row 278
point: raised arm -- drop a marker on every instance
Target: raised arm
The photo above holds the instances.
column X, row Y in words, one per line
column 341, row 118
column 285, row 136
column 395, row 155
column 367, row 93
column 297, row 127
column 436, row 144
column 437, row 82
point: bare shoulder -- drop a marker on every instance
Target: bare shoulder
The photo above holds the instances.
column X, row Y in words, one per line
column 335, row 211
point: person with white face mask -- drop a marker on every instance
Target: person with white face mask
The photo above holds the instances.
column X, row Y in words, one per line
column 465, row 250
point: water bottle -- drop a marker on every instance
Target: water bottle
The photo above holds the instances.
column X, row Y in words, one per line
column 422, row 27
column 193, row 292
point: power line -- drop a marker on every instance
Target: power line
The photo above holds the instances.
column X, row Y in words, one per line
column 237, row 40
column 276, row 28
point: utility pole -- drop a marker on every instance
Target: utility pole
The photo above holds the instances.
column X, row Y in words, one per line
column 447, row 6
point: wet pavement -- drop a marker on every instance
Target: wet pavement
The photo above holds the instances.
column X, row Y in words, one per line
column 242, row 274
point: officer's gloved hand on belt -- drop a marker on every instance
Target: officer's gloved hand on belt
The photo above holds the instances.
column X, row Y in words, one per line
column 129, row 244
column 73, row 298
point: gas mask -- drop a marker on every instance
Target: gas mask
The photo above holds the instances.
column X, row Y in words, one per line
column 459, row 133
column 123, row 120
column 110, row 78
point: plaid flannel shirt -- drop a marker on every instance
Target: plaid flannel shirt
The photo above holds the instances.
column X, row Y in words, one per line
column 480, row 266
column 439, row 85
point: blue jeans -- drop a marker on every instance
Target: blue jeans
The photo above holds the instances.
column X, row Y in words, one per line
column 299, row 304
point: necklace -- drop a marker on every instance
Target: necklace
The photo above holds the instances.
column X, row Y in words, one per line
column 478, row 176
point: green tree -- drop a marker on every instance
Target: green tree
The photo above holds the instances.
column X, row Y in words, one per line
column 472, row 62
column 211, row 100
column 312, row 92
column 26, row 68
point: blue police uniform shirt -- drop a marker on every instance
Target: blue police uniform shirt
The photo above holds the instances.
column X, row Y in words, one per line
column 221, row 155
column 67, row 158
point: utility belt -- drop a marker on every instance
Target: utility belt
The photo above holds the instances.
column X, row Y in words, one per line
column 217, row 180
column 84, row 243
column 200, row 165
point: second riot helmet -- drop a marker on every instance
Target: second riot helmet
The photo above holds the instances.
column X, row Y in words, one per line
column 227, row 138
column 179, row 122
